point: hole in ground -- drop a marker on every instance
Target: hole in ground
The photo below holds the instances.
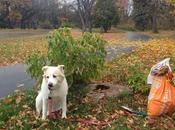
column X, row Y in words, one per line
column 101, row 87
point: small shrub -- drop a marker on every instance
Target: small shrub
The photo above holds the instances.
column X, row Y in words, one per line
column 82, row 57
column 34, row 63
column 131, row 75
column 67, row 24
column 137, row 80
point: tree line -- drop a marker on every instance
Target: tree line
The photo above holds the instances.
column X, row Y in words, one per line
column 153, row 14
column 86, row 14
column 28, row 13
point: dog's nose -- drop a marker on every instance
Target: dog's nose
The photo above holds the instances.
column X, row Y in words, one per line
column 50, row 84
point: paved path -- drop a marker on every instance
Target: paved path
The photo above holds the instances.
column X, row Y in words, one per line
column 115, row 50
column 12, row 76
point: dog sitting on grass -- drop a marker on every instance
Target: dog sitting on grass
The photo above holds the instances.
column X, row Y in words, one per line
column 54, row 86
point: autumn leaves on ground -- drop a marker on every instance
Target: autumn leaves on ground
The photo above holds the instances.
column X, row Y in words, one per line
column 18, row 111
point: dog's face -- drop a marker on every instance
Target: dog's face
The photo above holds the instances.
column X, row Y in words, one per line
column 53, row 76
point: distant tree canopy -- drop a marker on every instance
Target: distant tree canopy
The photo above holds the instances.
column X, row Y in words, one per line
column 28, row 13
column 85, row 14
column 105, row 14
column 141, row 14
column 56, row 13
column 153, row 14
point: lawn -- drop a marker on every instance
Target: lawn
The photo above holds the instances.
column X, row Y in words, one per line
column 161, row 34
column 15, row 50
column 18, row 111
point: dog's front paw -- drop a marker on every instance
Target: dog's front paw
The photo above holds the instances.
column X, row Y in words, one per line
column 37, row 115
column 63, row 116
column 43, row 118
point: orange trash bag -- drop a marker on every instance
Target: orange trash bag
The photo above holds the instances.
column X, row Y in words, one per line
column 161, row 99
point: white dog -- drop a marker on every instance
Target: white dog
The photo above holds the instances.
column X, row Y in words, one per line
column 54, row 85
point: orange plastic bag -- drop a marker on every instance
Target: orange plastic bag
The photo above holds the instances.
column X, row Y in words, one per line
column 161, row 99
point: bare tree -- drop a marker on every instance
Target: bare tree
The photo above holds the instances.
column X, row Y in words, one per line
column 124, row 9
column 84, row 8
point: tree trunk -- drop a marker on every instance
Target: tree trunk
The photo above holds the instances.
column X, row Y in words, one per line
column 82, row 21
column 105, row 28
column 90, row 28
column 81, row 16
column 89, row 23
column 22, row 24
column 154, row 24
column 8, row 10
column 88, row 17
column 154, row 16
column 84, row 10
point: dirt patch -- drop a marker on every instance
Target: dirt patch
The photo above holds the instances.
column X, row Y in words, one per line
column 101, row 90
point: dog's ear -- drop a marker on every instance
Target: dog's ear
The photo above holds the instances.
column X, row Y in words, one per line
column 61, row 68
column 44, row 68
column 61, row 77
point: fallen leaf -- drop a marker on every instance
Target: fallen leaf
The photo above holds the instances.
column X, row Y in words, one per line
column 170, row 125
column 9, row 100
column 18, row 99
column 25, row 106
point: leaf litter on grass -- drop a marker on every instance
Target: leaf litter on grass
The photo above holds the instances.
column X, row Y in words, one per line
column 15, row 50
column 82, row 114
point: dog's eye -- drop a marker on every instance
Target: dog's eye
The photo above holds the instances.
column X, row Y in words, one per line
column 47, row 77
column 54, row 76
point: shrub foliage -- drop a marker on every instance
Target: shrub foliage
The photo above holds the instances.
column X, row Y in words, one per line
column 82, row 57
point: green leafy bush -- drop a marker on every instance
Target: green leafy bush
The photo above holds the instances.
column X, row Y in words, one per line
column 83, row 58
column 131, row 75
column 67, row 24
column 34, row 62
column 137, row 79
